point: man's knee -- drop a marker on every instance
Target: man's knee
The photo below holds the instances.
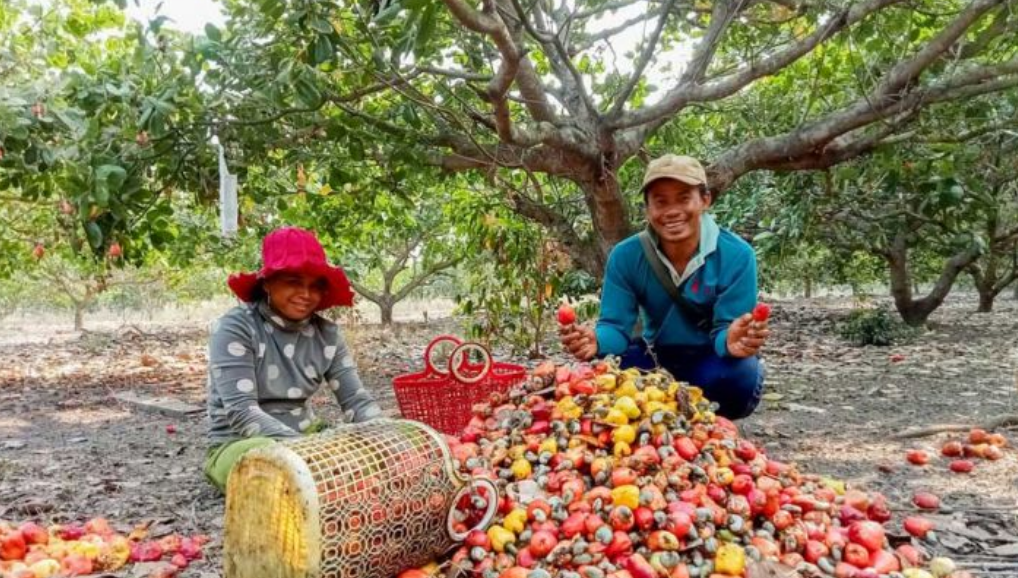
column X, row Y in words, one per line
column 736, row 385
column 636, row 356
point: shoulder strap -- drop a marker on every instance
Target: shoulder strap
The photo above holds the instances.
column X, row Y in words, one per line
column 700, row 315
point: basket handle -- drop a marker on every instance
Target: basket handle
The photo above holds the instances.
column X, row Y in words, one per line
column 489, row 514
column 430, row 366
column 458, row 363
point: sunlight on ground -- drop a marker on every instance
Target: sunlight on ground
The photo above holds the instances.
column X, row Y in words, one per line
column 10, row 425
column 90, row 416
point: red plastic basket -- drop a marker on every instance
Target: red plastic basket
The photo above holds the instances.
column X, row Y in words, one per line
column 443, row 398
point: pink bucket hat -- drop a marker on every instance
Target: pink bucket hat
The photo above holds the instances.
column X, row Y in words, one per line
column 296, row 251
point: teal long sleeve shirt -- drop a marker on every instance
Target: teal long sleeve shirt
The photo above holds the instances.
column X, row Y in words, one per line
column 725, row 280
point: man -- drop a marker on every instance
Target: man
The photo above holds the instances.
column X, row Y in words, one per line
column 695, row 284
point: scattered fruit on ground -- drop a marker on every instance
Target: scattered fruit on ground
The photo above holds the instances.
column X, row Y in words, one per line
column 917, row 457
column 28, row 550
column 926, row 501
column 632, row 475
column 962, row 466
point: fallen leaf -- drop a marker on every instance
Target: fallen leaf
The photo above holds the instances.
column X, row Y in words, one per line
column 1005, row 550
column 806, row 408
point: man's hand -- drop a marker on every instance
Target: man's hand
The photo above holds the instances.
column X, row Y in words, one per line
column 579, row 340
column 746, row 337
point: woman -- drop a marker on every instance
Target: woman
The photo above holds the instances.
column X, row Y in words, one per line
column 270, row 355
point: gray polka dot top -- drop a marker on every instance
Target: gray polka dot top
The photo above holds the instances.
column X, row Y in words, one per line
column 263, row 370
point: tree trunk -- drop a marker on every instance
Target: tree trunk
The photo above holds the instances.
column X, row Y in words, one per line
column 985, row 301
column 610, row 214
column 915, row 312
column 79, row 316
column 386, row 306
column 809, row 287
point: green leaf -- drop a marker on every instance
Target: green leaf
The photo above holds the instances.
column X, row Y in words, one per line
column 426, row 28
column 94, row 234
column 307, row 93
column 320, row 25
column 389, row 13
column 72, row 119
column 321, row 50
column 108, row 179
column 213, row 33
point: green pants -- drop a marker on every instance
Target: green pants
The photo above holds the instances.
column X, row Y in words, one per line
column 220, row 459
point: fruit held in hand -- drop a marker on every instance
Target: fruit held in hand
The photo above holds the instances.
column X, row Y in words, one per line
column 761, row 312
column 566, row 315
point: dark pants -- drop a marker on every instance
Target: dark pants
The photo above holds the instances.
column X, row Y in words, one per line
column 734, row 383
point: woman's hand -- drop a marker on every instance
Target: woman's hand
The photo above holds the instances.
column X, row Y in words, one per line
column 579, row 340
column 746, row 337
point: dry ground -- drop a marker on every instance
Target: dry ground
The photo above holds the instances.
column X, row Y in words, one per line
column 68, row 450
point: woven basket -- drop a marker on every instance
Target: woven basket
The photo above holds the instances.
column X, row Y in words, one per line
column 443, row 395
column 361, row 501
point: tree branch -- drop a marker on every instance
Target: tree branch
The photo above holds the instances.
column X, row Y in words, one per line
column 905, row 72
column 367, row 293
column 644, row 60
column 460, row 74
column 703, row 54
column 683, row 93
column 493, row 26
column 560, row 60
column 1005, row 21
column 424, row 277
column 762, row 152
column 588, row 40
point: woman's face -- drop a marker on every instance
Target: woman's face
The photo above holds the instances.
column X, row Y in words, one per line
column 295, row 296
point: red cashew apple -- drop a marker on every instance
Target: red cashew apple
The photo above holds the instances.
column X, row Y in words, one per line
column 962, row 466
column 917, row 526
column 926, row 501
column 918, row 457
column 566, row 315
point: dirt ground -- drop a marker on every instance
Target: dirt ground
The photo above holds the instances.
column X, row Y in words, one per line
column 70, row 451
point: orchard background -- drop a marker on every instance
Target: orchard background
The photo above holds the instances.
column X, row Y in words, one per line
column 471, row 165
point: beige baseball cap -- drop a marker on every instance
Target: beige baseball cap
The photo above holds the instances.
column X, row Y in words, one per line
column 678, row 167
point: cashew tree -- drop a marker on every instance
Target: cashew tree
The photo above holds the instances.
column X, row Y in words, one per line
column 572, row 92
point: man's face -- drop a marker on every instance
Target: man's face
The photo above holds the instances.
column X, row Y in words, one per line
column 295, row 296
column 674, row 209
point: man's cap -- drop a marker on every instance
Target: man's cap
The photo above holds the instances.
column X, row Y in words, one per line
column 678, row 167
